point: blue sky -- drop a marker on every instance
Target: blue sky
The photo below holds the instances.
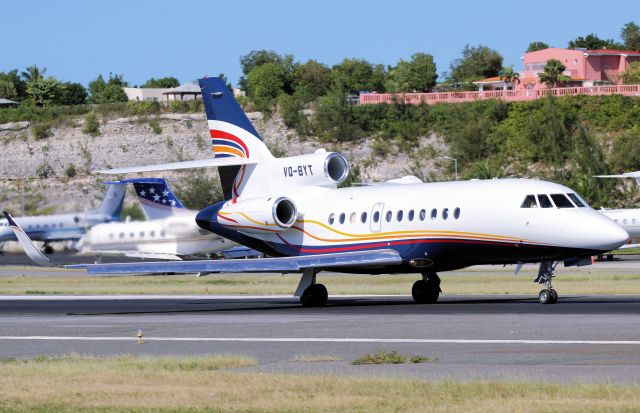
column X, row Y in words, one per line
column 77, row 40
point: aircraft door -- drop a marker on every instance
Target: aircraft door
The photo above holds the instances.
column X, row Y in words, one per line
column 375, row 221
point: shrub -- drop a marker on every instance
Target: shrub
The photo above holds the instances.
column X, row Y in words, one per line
column 70, row 171
column 290, row 107
column 145, row 107
column 41, row 131
column 155, row 126
column 195, row 105
column 91, row 125
column 45, row 171
column 179, row 106
column 133, row 212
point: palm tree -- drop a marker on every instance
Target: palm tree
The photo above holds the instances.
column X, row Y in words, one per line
column 552, row 74
column 508, row 75
column 33, row 73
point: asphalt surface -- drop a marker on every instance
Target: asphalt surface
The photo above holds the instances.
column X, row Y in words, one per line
column 580, row 339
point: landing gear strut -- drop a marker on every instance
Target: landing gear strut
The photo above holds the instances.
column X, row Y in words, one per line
column 545, row 275
column 310, row 293
column 427, row 290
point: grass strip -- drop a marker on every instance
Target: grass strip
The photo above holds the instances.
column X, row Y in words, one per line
column 128, row 384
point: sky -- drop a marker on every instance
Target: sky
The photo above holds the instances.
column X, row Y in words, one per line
column 78, row 40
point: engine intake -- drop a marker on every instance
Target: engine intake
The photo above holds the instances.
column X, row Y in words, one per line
column 259, row 215
column 320, row 168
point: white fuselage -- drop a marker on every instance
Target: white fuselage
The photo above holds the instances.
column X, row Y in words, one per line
column 463, row 223
column 176, row 236
column 628, row 219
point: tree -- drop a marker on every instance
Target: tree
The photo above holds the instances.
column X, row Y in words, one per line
column 311, row 79
column 44, row 91
column 33, row 73
column 108, row 92
column 630, row 35
column 257, row 58
column 508, row 75
column 265, row 83
column 19, row 84
column 226, row 82
column 418, row 74
column 535, row 46
column 593, row 42
column 71, row 94
column 552, row 74
column 631, row 76
column 7, row 90
column 353, row 75
column 163, row 83
column 477, row 62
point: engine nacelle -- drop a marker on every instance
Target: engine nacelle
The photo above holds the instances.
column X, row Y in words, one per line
column 259, row 215
column 320, row 168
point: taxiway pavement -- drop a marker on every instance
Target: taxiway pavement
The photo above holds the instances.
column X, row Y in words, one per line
column 580, row 339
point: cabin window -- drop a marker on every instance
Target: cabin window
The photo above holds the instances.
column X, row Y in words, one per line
column 376, row 216
column 633, row 221
column 37, row 225
column 131, row 235
column 342, row 218
column 61, row 225
column 352, row 218
column 152, row 234
column 389, row 216
column 121, row 235
column 423, row 214
column 434, row 213
column 46, row 225
column 445, row 213
column 545, row 202
column 53, row 225
column 410, row 215
column 399, row 215
column 577, row 200
column 561, row 201
column 529, row 202
column 162, row 233
column 111, row 236
column 456, row 213
column 332, row 218
column 141, row 234
column 363, row 217
column 624, row 221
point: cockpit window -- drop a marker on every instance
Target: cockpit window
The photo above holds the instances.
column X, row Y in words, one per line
column 561, row 201
column 529, row 202
column 576, row 200
column 545, row 202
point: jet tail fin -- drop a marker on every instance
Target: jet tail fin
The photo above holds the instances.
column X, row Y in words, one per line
column 155, row 197
column 112, row 202
column 25, row 242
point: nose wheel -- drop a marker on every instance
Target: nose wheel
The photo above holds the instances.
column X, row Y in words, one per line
column 427, row 290
column 545, row 276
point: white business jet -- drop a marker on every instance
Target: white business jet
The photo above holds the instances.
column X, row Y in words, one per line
column 627, row 218
column 291, row 209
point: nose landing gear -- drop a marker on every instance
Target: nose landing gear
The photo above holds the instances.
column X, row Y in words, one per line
column 427, row 290
column 545, row 275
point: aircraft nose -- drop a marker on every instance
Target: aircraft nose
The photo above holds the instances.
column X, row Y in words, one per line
column 608, row 234
column 593, row 231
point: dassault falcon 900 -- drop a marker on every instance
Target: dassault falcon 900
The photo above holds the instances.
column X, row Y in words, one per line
column 292, row 210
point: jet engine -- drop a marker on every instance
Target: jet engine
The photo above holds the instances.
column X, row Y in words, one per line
column 259, row 215
column 320, row 168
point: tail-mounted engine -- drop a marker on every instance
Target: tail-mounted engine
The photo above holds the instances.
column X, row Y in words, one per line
column 320, row 168
column 259, row 215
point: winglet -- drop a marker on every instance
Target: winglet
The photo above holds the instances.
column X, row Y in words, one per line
column 27, row 245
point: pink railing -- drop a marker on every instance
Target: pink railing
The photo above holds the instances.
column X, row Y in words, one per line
column 508, row 95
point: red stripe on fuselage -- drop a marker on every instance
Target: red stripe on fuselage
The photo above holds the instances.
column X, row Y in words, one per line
column 218, row 134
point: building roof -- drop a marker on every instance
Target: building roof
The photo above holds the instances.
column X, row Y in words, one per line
column 495, row 79
column 186, row 88
column 612, row 52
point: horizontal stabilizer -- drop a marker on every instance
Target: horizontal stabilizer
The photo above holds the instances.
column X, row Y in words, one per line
column 273, row 265
column 32, row 251
column 199, row 163
column 624, row 175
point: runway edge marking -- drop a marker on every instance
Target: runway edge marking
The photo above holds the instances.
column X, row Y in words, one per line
column 324, row 340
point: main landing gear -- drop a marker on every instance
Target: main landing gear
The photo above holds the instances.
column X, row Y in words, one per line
column 545, row 275
column 310, row 293
column 427, row 290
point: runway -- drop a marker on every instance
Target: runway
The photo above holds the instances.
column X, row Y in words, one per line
column 583, row 339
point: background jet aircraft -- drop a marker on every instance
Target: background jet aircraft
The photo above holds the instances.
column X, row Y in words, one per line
column 67, row 227
column 169, row 233
column 292, row 209
column 627, row 218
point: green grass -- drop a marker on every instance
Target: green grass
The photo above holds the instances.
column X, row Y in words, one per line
column 390, row 357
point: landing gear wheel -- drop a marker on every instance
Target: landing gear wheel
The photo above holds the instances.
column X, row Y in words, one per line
column 314, row 296
column 48, row 249
column 425, row 292
column 554, row 296
column 546, row 296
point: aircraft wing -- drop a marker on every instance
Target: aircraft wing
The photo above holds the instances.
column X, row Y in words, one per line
column 370, row 258
column 199, row 163
column 624, row 175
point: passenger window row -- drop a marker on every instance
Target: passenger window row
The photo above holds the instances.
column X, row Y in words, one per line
column 389, row 216
column 152, row 234
column 560, row 200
